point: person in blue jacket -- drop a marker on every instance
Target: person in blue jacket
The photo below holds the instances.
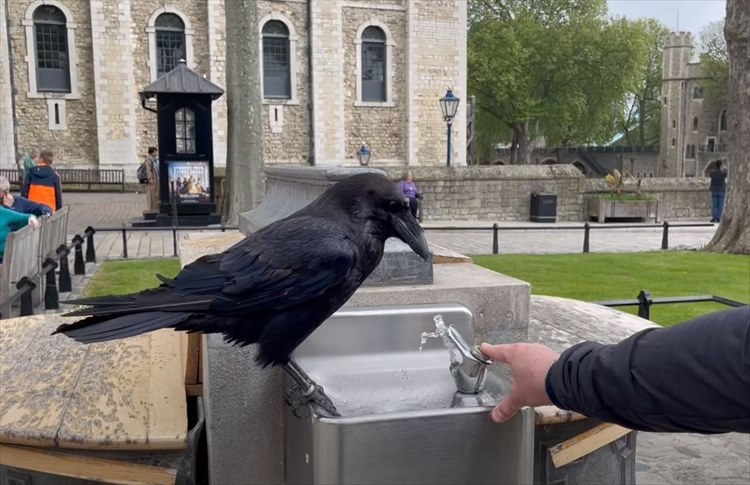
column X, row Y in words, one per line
column 21, row 204
column 693, row 377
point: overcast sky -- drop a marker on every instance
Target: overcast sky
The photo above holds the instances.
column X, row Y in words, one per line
column 693, row 14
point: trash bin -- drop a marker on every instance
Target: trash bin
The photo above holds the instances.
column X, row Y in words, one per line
column 543, row 208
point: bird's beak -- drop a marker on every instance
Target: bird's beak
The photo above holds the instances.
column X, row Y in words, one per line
column 408, row 230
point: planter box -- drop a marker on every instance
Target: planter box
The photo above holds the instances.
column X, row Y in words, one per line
column 603, row 209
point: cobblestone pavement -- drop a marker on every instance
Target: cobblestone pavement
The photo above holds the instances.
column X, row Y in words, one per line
column 661, row 458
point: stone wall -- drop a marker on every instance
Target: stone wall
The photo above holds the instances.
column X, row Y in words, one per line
column 7, row 145
column 503, row 193
column 498, row 193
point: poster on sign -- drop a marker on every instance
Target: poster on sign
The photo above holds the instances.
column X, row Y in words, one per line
column 190, row 182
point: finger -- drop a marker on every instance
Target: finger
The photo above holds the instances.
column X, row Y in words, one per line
column 498, row 353
column 504, row 411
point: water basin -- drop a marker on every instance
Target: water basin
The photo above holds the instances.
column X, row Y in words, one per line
column 397, row 424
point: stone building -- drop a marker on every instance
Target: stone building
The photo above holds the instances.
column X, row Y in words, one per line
column 693, row 130
column 335, row 74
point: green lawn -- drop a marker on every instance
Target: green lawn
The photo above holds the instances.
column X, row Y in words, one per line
column 121, row 277
column 601, row 276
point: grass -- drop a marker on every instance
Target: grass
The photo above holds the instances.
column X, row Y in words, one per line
column 122, row 277
column 604, row 276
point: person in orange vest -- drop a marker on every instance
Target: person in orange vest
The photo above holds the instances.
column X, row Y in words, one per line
column 43, row 184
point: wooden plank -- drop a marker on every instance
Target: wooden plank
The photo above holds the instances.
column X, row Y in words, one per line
column 555, row 415
column 39, row 374
column 85, row 468
column 167, row 406
column 192, row 359
column 585, row 443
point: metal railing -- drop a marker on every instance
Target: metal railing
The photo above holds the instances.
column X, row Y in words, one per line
column 644, row 301
column 586, row 227
column 174, row 229
column 53, row 285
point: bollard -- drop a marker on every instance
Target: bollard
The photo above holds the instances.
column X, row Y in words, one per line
column 665, row 236
column 174, row 242
column 64, row 283
column 644, row 304
column 495, row 244
column 124, row 242
column 27, row 304
column 90, row 250
column 79, row 267
column 51, row 297
column 586, row 229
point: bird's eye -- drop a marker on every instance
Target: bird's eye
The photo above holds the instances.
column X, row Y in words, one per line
column 396, row 205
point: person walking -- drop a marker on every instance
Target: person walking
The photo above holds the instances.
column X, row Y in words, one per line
column 718, row 189
column 30, row 161
column 43, row 184
column 409, row 190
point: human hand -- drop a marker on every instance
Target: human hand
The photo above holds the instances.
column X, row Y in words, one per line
column 529, row 364
column 34, row 221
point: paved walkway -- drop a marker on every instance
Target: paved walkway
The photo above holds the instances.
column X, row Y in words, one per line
column 662, row 458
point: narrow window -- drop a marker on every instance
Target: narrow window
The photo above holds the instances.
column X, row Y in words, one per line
column 276, row 65
column 184, row 131
column 695, row 124
column 373, row 64
column 723, row 121
column 57, row 114
column 170, row 42
column 51, row 38
column 697, row 92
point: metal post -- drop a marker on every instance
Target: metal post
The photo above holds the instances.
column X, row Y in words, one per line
column 124, row 242
column 79, row 267
column 449, row 143
column 495, row 244
column 665, row 236
column 644, row 304
column 586, row 229
column 51, row 297
column 27, row 304
column 64, row 283
column 174, row 242
column 90, row 250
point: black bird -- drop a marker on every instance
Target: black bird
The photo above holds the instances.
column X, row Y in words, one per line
column 276, row 286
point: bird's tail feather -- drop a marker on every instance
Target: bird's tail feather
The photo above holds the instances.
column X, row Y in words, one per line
column 100, row 328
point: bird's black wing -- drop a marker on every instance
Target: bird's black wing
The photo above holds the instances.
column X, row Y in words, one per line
column 292, row 262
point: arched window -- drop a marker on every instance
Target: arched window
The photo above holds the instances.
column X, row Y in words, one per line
column 695, row 124
column 723, row 121
column 697, row 92
column 373, row 65
column 276, row 60
column 170, row 42
column 184, row 123
column 51, row 43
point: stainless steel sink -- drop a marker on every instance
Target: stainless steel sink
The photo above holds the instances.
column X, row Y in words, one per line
column 397, row 424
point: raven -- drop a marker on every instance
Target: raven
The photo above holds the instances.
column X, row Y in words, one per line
column 276, row 286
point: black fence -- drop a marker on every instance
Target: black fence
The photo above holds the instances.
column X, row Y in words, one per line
column 644, row 301
column 124, row 230
column 54, row 285
column 586, row 228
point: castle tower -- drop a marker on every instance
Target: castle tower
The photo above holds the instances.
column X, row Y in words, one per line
column 678, row 49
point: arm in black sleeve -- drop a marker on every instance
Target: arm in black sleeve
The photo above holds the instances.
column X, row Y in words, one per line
column 692, row 377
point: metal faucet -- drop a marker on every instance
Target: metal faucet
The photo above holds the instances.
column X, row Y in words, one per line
column 471, row 374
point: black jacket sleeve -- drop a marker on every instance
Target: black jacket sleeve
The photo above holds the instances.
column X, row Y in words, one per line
column 692, row 377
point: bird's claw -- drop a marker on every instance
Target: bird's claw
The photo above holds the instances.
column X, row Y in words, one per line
column 299, row 399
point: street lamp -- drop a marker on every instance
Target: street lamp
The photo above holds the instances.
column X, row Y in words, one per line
column 449, row 107
column 364, row 155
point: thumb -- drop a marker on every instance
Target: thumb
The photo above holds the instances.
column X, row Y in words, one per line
column 505, row 410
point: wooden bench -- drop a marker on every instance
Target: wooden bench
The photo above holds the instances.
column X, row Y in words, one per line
column 92, row 411
column 73, row 177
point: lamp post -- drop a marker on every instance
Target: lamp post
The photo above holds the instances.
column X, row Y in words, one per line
column 449, row 107
column 364, row 155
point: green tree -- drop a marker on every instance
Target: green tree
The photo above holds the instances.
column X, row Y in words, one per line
column 641, row 114
column 715, row 62
column 556, row 69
